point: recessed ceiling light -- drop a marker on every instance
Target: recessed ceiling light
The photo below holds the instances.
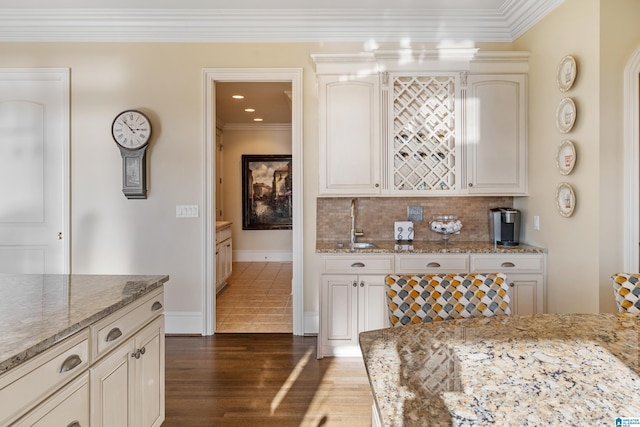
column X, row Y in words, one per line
column 250, row 110
column 238, row 96
column 257, row 119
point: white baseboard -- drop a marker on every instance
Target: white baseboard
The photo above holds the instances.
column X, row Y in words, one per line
column 183, row 322
column 262, row 256
column 311, row 323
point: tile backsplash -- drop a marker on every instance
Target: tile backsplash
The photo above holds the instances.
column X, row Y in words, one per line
column 376, row 215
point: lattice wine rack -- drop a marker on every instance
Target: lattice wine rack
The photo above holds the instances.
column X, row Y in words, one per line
column 423, row 132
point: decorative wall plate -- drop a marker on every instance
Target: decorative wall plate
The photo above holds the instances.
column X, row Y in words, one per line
column 566, row 115
column 566, row 74
column 565, row 199
column 566, row 157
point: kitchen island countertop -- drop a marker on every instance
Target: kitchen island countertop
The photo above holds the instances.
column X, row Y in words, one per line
column 385, row 247
column 39, row 311
column 547, row 369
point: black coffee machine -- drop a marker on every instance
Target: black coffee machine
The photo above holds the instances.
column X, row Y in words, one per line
column 504, row 226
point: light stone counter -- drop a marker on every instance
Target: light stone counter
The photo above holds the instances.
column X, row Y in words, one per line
column 39, row 311
column 383, row 247
column 541, row 370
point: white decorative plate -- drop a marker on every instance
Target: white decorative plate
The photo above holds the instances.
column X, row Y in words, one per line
column 565, row 199
column 566, row 115
column 567, row 71
column 566, row 157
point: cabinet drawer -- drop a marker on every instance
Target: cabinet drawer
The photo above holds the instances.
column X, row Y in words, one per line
column 69, row 405
column 223, row 234
column 357, row 264
column 23, row 387
column 506, row 263
column 116, row 328
column 430, row 263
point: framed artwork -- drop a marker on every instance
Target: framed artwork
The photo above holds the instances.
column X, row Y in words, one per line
column 266, row 192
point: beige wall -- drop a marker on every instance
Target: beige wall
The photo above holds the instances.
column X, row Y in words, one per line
column 586, row 249
column 251, row 140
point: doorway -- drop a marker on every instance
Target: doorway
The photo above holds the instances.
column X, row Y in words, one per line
column 632, row 163
column 211, row 77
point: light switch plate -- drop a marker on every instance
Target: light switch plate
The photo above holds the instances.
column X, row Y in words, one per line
column 415, row 213
column 186, row 211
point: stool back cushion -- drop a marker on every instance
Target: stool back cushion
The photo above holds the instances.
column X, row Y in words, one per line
column 434, row 297
column 626, row 289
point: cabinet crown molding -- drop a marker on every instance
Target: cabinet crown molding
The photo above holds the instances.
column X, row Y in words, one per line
column 411, row 60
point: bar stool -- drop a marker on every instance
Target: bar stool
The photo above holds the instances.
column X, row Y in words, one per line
column 433, row 297
column 627, row 292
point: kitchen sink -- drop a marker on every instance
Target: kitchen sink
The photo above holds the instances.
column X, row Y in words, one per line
column 357, row 245
column 363, row 245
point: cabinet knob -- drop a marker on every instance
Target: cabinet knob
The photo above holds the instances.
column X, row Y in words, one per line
column 507, row 264
column 70, row 363
column 377, row 185
column 362, row 284
column 354, row 284
column 470, row 184
column 143, row 350
column 137, row 354
column 511, row 285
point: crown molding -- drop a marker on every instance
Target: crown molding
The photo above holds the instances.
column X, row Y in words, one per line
column 270, row 25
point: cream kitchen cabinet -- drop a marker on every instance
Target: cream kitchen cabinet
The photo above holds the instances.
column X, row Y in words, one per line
column 31, row 385
column 353, row 300
column 127, row 384
column 109, row 373
column 496, row 134
column 431, row 263
column 68, row 407
column 224, row 255
column 349, row 124
column 526, row 276
column 432, row 127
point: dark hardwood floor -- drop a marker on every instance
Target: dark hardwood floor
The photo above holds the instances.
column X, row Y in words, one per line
column 262, row 380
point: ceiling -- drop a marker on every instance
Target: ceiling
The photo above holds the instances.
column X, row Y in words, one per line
column 271, row 101
column 273, row 20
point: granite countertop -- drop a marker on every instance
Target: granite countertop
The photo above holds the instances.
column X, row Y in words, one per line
column 222, row 224
column 546, row 369
column 385, row 247
column 39, row 311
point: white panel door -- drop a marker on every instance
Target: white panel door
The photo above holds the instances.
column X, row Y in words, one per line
column 34, row 176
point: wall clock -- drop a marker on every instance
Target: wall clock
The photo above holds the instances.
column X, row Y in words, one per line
column 131, row 130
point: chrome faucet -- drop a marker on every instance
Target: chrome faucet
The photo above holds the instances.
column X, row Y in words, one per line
column 354, row 233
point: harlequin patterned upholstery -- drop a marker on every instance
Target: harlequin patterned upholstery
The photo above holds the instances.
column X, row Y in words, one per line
column 433, row 297
column 627, row 292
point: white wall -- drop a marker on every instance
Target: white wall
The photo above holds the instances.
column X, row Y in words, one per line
column 252, row 245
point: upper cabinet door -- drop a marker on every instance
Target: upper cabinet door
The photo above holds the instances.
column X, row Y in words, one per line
column 496, row 134
column 349, row 135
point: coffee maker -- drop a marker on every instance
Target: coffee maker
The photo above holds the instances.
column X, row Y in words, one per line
column 504, row 226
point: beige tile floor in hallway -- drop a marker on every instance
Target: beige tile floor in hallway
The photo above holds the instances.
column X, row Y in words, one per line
column 257, row 298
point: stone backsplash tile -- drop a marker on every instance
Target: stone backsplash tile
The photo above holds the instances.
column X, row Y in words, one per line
column 376, row 215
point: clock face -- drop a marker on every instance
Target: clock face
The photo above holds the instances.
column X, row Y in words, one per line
column 131, row 129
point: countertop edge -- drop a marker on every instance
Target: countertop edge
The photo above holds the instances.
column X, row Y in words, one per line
column 391, row 247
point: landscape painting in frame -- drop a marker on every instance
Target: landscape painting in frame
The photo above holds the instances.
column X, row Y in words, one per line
column 267, row 191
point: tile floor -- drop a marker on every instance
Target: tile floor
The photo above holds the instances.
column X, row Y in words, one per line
column 257, row 298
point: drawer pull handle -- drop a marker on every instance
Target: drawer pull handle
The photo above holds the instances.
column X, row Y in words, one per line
column 113, row 335
column 74, row 424
column 507, row 264
column 357, row 264
column 156, row 306
column 70, row 363
column 434, row 264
